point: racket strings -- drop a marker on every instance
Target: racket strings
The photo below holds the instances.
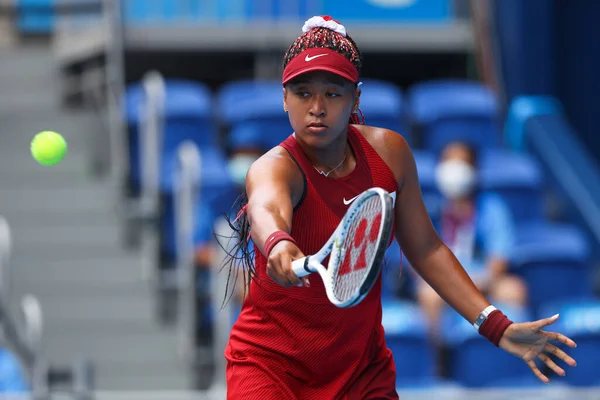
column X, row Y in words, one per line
column 358, row 250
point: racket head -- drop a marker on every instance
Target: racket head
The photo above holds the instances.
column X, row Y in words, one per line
column 359, row 248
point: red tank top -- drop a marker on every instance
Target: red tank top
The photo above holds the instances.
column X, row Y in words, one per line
column 317, row 349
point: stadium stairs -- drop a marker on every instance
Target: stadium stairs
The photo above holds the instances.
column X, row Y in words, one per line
column 67, row 249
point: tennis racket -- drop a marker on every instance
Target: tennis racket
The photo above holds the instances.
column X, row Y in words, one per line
column 355, row 249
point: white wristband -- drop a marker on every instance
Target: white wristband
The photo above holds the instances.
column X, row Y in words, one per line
column 482, row 317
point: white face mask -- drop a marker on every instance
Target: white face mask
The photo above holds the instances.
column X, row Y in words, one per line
column 455, row 178
column 238, row 167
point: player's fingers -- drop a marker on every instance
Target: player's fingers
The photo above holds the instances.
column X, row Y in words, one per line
column 539, row 324
column 537, row 372
column 304, row 280
column 560, row 338
column 276, row 272
column 271, row 274
column 281, row 267
column 551, row 364
column 552, row 349
column 292, row 279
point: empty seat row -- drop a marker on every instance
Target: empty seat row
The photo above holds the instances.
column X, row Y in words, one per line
column 473, row 361
column 443, row 110
column 252, row 112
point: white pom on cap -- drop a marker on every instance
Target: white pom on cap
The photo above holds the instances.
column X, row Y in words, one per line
column 324, row 22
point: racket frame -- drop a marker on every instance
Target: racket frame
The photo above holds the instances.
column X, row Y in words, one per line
column 333, row 248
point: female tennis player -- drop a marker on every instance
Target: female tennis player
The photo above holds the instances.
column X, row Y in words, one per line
column 289, row 341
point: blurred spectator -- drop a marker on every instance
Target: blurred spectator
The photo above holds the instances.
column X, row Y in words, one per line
column 240, row 161
column 477, row 227
column 245, row 147
column 242, row 154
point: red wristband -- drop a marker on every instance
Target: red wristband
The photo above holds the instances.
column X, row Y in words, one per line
column 494, row 326
column 275, row 238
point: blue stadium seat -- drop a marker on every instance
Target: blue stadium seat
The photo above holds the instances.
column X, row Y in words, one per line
column 217, row 193
column 581, row 322
column 517, row 178
column 450, row 110
column 214, row 176
column 391, row 272
column 554, row 261
column 136, row 11
column 35, row 16
column 258, row 134
column 474, row 361
column 399, row 278
column 247, row 136
column 188, row 116
column 204, row 220
column 406, row 336
column 257, row 102
column 383, row 106
column 236, row 100
column 426, row 163
column 260, row 104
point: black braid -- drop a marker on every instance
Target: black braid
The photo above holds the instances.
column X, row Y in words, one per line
column 325, row 38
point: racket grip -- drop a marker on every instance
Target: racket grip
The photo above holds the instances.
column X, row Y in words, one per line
column 300, row 267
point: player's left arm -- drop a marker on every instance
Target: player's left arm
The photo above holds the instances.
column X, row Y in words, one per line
column 438, row 266
column 417, row 237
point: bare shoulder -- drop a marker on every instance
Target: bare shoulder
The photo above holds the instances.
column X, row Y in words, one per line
column 390, row 145
column 276, row 157
column 275, row 168
column 383, row 140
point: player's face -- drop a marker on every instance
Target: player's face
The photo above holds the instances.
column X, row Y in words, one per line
column 319, row 105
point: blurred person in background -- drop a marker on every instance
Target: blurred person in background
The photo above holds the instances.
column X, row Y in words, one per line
column 477, row 227
column 242, row 156
column 244, row 147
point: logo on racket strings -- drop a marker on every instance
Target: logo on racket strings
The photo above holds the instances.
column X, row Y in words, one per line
column 364, row 236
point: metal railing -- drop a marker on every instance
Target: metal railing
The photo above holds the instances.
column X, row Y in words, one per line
column 222, row 311
column 147, row 207
column 187, row 196
column 186, row 199
column 5, row 250
column 26, row 349
column 24, row 339
column 115, row 88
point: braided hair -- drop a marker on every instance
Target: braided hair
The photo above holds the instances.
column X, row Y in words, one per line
column 326, row 38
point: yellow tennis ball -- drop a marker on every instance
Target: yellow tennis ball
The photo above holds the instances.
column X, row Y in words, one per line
column 48, row 148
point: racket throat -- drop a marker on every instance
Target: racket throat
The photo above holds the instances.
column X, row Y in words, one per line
column 306, row 265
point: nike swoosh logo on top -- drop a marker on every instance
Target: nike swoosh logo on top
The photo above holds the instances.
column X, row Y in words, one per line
column 346, row 202
column 307, row 58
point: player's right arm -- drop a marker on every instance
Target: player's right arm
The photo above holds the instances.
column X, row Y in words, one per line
column 274, row 184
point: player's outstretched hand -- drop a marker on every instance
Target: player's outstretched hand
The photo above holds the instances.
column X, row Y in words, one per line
column 279, row 264
column 528, row 341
